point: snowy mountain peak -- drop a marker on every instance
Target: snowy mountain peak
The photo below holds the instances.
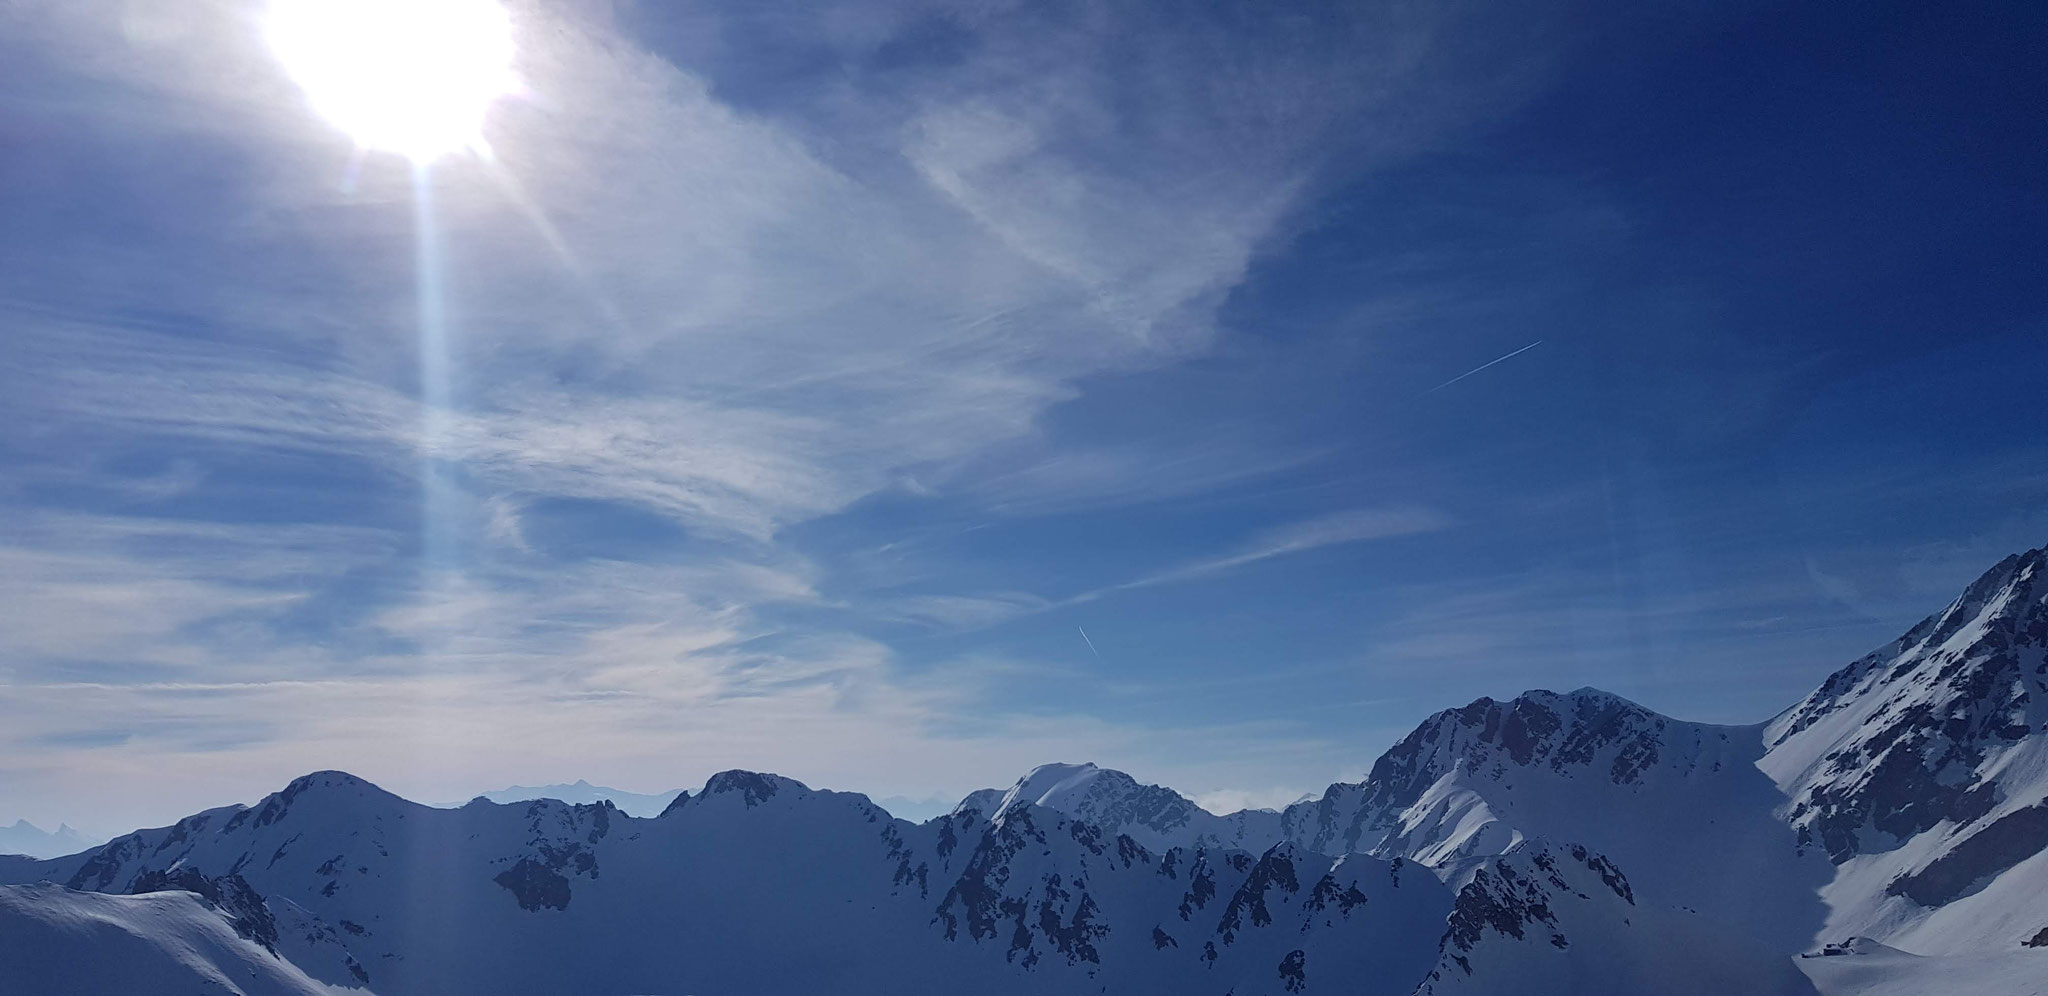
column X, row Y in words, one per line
column 1935, row 727
column 983, row 801
column 1473, row 783
column 328, row 779
column 753, row 787
column 1153, row 816
column 326, row 791
column 1068, row 787
column 2006, row 598
column 1583, row 729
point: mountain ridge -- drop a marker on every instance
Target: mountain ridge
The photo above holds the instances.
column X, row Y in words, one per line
column 1572, row 839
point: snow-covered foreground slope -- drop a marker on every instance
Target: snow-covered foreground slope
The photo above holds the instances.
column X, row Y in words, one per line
column 59, row 942
column 1863, row 967
column 1550, row 843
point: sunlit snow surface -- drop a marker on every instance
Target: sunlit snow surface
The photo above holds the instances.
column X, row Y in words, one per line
column 59, row 941
column 1873, row 969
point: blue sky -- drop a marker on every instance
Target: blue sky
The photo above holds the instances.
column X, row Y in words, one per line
column 817, row 373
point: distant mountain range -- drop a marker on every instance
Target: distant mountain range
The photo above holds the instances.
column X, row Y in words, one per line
column 645, row 805
column 27, row 838
column 1886, row 834
column 582, row 793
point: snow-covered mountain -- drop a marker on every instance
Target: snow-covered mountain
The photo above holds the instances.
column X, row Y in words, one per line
column 1922, row 771
column 1153, row 815
column 758, row 884
column 1681, row 805
column 27, row 838
column 583, row 793
column 1549, row 843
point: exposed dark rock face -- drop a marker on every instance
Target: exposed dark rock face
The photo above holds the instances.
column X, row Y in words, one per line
column 1075, row 934
column 2003, row 843
column 1610, row 876
column 1294, row 971
column 535, row 885
column 1513, row 896
column 1501, row 899
column 1275, row 870
column 1201, row 882
column 1059, row 910
column 1326, row 896
column 977, row 897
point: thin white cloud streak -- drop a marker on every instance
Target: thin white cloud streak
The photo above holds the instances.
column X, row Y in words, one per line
column 1358, row 525
column 962, row 611
column 1352, row 526
column 1035, row 477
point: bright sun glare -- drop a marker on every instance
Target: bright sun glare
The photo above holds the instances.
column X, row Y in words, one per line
column 413, row 77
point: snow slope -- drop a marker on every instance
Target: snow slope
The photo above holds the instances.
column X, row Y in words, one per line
column 1867, row 968
column 59, row 942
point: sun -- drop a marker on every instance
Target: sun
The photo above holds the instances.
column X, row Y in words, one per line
column 414, row 77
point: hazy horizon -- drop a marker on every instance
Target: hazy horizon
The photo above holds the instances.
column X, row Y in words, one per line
column 1220, row 801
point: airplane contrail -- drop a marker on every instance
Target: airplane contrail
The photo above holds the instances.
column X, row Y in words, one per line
column 1483, row 366
column 1089, row 642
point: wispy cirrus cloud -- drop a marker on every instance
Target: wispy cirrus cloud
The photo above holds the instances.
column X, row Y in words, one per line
column 964, row 611
column 968, row 611
column 744, row 316
column 1350, row 526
